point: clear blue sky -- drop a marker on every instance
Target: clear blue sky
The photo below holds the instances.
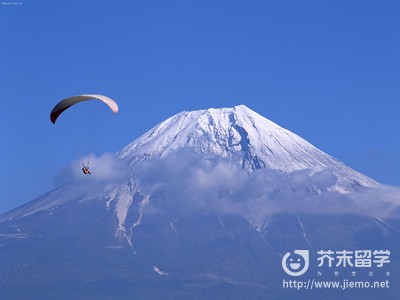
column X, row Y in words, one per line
column 326, row 70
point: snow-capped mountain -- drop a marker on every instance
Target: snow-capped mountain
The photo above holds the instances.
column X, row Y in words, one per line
column 241, row 133
column 238, row 134
column 206, row 204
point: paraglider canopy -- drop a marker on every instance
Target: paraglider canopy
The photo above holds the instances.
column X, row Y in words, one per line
column 68, row 102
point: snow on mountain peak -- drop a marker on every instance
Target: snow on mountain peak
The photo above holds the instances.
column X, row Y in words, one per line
column 222, row 131
column 238, row 132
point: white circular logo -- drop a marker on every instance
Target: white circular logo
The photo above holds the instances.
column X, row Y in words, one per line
column 296, row 264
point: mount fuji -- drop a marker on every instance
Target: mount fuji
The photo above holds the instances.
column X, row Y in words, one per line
column 202, row 206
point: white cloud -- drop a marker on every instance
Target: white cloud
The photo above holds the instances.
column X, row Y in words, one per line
column 104, row 168
column 206, row 184
column 187, row 183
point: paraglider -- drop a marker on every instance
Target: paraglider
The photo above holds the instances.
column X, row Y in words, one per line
column 85, row 169
column 68, row 102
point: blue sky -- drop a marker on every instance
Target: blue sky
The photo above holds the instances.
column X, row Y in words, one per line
column 326, row 70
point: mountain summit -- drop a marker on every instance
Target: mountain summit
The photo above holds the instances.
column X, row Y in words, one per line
column 243, row 134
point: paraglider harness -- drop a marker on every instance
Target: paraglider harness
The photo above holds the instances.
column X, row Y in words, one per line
column 85, row 169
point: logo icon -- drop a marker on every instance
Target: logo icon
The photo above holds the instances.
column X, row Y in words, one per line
column 296, row 264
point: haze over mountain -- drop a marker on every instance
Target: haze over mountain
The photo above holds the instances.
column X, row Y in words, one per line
column 202, row 205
